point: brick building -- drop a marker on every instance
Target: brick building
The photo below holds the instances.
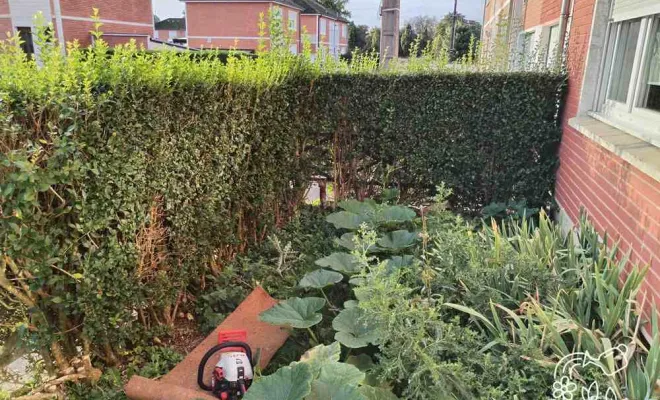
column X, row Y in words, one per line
column 226, row 24
column 122, row 19
column 610, row 154
column 170, row 29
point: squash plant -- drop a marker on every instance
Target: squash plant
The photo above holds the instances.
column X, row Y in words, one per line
column 318, row 376
column 368, row 231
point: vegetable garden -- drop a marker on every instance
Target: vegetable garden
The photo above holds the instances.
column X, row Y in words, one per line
column 140, row 191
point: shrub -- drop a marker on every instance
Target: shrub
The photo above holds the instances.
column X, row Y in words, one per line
column 126, row 178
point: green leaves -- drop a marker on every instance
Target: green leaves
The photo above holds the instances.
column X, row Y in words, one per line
column 288, row 383
column 398, row 240
column 295, row 312
column 346, row 220
column 321, row 355
column 320, row 278
column 352, row 329
column 342, row 262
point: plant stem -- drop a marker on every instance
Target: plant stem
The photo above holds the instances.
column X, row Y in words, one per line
column 311, row 333
column 330, row 305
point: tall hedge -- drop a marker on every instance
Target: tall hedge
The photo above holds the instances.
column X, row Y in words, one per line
column 124, row 179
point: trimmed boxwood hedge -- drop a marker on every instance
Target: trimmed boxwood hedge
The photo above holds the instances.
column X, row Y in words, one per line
column 124, row 178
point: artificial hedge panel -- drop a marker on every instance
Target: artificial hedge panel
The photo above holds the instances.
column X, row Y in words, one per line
column 124, row 179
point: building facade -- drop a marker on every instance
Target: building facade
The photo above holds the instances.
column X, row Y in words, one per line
column 234, row 24
column 122, row 20
column 170, row 30
column 610, row 151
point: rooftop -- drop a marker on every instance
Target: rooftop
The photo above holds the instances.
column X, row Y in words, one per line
column 171, row 24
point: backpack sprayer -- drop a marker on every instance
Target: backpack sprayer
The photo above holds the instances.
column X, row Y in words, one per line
column 232, row 375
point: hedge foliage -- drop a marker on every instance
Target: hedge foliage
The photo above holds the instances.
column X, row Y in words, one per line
column 125, row 178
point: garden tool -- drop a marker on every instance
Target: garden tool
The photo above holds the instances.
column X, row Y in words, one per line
column 233, row 373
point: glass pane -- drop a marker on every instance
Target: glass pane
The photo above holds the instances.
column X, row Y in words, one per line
column 652, row 90
column 624, row 57
column 553, row 46
column 27, row 45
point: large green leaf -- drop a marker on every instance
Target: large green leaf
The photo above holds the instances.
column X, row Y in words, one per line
column 346, row 241
column 395, row 214
column 352, row 329
column 288, row 383
column 398, row 262
column 342, row 262
column 347, row 220
column 398, row 240
column 320, row 278
column 326, row 391
column 376, row 393
column 340, row 374
column 320, row 355
column 361, row 361
column 295, row 312
column 365, row 208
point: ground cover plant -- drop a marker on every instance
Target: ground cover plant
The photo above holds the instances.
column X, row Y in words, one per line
column 441, row 310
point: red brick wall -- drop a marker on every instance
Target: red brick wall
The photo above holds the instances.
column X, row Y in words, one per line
column 618, row 198
column 551, row 10
column 229, row 20
column 533, row 13
column 4, row 7
column 117, row 40
column 119, row 10
column 81, row 30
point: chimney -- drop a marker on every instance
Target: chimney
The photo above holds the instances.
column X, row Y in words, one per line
column 389, row 31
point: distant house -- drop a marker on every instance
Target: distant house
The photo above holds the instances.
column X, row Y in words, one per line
column 170, row 29
column 122, row 20
column 226, row 24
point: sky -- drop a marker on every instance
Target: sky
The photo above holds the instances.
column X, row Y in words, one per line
column 365, row 12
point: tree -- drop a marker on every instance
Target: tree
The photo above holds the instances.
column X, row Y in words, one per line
column 357, row 36
column 424, row 27
column 465, row 30
column 406, row 39
column 373, row 40
column 338, row 6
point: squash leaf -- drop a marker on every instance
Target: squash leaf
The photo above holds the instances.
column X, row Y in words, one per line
column 342, row 262
column 288, row 383
column 320, row 278
column 352, row 329
column 295, row 312
column 398, row 240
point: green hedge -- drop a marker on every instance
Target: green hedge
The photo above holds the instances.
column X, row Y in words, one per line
column 488, row 136
column 125, row 178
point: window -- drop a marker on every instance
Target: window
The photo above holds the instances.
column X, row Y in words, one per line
column 527, row 50
column 293, row 48
column 552, row 52
column 629, row 95
column 293, row 21
column 344, row 30
column 650, row 91
column 323, row 27
column 27, row 43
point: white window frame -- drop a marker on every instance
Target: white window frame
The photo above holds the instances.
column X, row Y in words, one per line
column 323, row 27
column 552, row 50
column 293, row 21
column 629, row 116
